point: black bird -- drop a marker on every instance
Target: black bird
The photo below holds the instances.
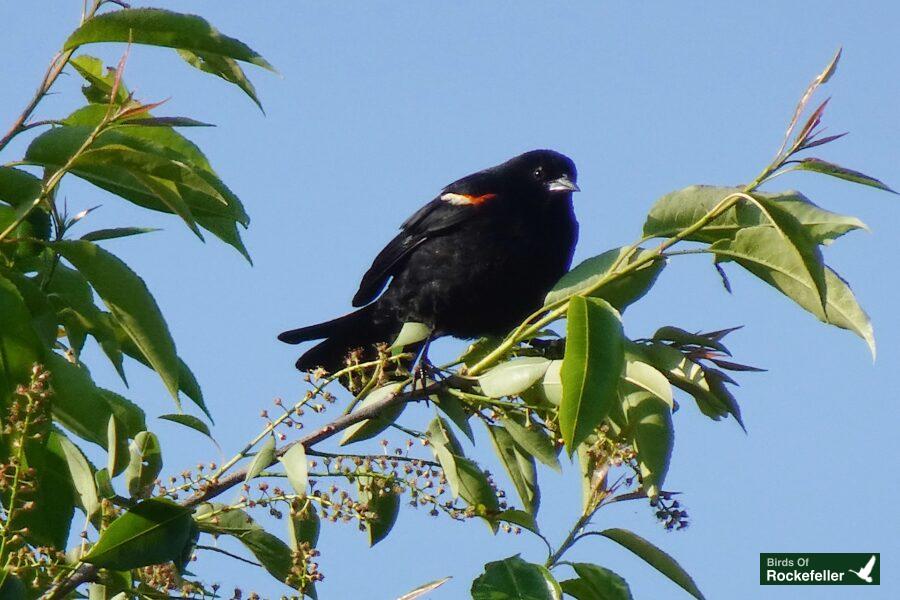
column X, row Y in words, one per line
column 473, row 262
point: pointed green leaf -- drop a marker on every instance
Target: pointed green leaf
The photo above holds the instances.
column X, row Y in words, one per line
column 684, row 374
column 596, row 583
column 761, row 251
column 655, row 557
column 294, row 461
column 534, row 440
column 145, row 464
column 411, row 333
column 224, row 67
column 648, row 378
column 130, row 301
column 269, row 550
column 152, row 532
column 264, row 457
column 18, row 187
column 100, row 79
column 515, row 579
column 520, row 467
column 369, row 428
column 451, row 406
column 189, row 421
column 820, row 166
column 20, row 347
column 649, row 430
column 679, row 210
column 82, row 476
column 157, row 27
column 304, row 526
column 83, row 408
column 513, row 377
column 116, row 232
column 619, row 293
column 591, row 368
column 380, row 498
column 116, row 447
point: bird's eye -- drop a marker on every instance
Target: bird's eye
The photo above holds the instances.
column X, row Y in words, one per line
column 538, row 173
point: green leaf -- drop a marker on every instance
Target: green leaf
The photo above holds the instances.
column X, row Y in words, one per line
column 799, row 242
column 592, row 475
column 104, row 484
column 224, row 67
column 655, row 557
column 369, row 428
column 621, row 292
column 117, row 452
column 650, row 432
column 18, row 187
column 520, row 467
column 679, row 210
column 130, row 302
column 591, row 368
column 515, row 579
column 466, row 479
column 551, row 386
column 762, row 251
column 190, row 422
column 513, row 377
column 165, row 122
column 53, row 494
column 304, row 526
column 520, row 518
column 82, row 476
column 383, row 501
column 294, row 461
column 116, row 232
column 411, row 333
column 100, row 81
column 440, row 434
column 145, row 464
column 820, row 166
column 154, row 531
column 684, row 338
column 646, row 377
column 684, row 374
column 423, row 589
column 20, row 347
column 451, row 406
column 154, row 167
column 596, row 583
column 269, row 550
column 83, row 408
column 157, row 27
column 534, row 440
column 264, row 457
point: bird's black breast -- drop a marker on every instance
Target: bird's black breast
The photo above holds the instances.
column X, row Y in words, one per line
column 485, row 277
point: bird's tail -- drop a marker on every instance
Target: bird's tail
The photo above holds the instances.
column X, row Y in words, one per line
column 359, row 329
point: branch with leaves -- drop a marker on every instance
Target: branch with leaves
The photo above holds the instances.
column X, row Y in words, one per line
column 592, row 394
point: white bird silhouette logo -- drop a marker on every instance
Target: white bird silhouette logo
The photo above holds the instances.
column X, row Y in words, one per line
column 866, row 572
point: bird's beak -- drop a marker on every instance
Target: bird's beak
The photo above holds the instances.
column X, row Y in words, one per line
column 563, row 184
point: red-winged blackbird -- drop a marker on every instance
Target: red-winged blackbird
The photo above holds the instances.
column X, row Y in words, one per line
column 473, row 262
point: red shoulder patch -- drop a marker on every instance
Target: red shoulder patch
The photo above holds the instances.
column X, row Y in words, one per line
column 466, row 199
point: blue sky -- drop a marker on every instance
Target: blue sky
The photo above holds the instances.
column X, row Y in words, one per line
column 381, row 104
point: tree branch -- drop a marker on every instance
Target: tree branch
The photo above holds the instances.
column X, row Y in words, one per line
column 87, row 572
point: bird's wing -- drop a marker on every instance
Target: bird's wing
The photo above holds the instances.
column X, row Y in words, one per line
column 435, row 218
column 867, row 570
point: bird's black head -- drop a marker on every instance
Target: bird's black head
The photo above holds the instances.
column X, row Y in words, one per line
column 539, row 173
column 543, row 170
